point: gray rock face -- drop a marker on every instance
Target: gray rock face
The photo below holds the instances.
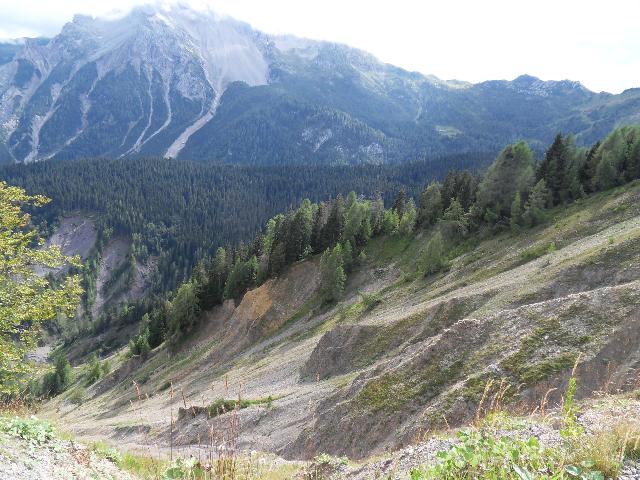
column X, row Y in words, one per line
column 144, row 79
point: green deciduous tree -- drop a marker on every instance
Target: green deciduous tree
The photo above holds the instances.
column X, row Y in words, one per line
column 511, row 172
column 605, row 172
column 539, row 199
column 26, row 298
column 183, row 313
column 516, row 212
column 242, row 277
column 390, row 222
column 408, row 220
column 433, row 258
column 430, row 208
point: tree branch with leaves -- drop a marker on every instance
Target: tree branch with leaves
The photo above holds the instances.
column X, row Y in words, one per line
column 27, row 297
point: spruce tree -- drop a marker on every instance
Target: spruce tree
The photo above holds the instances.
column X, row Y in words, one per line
column 211, row 292
column 333, row 277
column 400, row 203
column 377, row 215
column 587, row 173
column 334, row 227
column 319, row 219
column 553, row 170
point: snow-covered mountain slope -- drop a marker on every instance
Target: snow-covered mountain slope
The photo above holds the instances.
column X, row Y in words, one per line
column 156, row 82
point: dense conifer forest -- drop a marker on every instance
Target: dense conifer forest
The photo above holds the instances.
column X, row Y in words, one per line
column 182, row 211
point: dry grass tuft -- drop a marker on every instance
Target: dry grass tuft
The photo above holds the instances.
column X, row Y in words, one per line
column 608, row 448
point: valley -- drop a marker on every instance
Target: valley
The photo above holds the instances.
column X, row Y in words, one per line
column 232, row 253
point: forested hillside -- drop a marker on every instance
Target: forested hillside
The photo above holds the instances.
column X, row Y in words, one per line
column 514, row 193
column 181, row 211
column 516, row 287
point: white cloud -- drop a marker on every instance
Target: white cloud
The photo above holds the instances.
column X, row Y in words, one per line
column 596, row 43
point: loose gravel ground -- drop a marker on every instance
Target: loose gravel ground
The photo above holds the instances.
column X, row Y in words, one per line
column 54, row 460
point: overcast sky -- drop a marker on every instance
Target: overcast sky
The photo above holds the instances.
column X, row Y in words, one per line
column 595, row 42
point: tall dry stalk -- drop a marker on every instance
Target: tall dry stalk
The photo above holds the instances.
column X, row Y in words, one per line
column 485, row 393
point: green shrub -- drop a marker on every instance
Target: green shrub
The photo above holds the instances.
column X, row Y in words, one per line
column 222, row 406
column 31, row 429
column 57, row 381
column 537, row 251
column 371, row 300
column 324, row 467
column 139, row 345
column 105, row 451
column 94, row 370
column 480, row 454
column 78, row 396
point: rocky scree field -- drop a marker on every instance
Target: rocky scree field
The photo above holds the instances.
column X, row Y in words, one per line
column 401, row 354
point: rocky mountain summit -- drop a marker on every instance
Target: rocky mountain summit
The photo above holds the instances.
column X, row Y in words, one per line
column 175, row 82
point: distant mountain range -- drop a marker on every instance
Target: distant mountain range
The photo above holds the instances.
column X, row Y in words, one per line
column 174, row 82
